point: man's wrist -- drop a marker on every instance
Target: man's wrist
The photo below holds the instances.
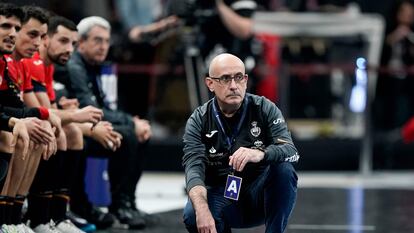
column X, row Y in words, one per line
column 72, row 115
column 201, row 208
column 91, row 132
column 262, row 151
column 12, row 122
column 44, row 113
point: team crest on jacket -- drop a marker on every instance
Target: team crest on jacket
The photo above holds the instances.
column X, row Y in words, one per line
column 258, row 144
column 255, row 131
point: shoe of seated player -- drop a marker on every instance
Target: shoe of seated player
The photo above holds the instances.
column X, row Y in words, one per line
column 96, row 216
column 49, row 227
column 80, row 222
column 25, row 228
column 66, row 226
column 10, row 229
column 126, row 215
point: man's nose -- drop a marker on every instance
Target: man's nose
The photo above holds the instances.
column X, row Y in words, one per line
column 13, row 33
column 233, row 84
column 37, row 42
column 70, row 49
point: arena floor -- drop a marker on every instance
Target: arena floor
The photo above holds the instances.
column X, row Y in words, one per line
column 327, row 202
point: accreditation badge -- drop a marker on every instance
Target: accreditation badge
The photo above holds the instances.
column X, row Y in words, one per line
column 232, row 189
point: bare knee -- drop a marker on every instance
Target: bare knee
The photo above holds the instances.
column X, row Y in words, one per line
column 74, row 137
column 61, row 141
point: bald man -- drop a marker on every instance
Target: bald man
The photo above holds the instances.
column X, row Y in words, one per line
column 238, row 156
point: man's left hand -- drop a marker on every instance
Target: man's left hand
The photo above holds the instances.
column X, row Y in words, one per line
column 142, row 129
column 243, row 155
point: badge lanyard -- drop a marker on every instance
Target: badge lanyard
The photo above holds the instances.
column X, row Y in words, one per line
column 233, row 183
column 235, row 132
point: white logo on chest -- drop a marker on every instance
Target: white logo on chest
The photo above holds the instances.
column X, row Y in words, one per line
column 38, row 62
column 209, row 135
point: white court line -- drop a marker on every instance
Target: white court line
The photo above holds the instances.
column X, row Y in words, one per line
column 325, row 227
column 377, row 180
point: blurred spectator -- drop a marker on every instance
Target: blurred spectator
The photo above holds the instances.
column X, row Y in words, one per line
column 138, row 12
column 228, row 30
column 142, row 19
column 393, row 109
column 214, row 27
column 395, row 86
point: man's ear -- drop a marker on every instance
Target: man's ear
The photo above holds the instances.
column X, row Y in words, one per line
column 81, row 42
column 209, row 84
column 45, row 40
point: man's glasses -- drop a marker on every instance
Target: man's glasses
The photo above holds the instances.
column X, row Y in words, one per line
column 226, row 78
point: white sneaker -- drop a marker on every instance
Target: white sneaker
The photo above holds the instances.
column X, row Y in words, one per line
column 67, row 226
column 11, row 229
column 47, row 228
column 24, row 228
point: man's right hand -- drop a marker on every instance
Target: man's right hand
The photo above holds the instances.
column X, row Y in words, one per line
column 142, row 129
column 37, row 133
column 50, row 148
column 20, row 132
column 88, row 114
column 205, row 222
column 398, row 34
column 104, row 133
column 204, row 218
column 56, row 123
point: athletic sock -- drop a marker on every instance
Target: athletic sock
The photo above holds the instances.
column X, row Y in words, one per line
column 59, row 206
column 39, row 208
column 9, row 209
column 70, row 168
column 16, row 214
column 3, row 205
column 60, row 198
column 66, row 171
column 4, row 165
column 40, row 194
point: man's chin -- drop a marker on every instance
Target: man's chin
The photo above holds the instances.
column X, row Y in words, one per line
column 100, row 59
column 63, row 61
column 234, row 100
column 28, row 55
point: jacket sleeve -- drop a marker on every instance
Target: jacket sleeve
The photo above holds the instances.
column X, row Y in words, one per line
column 282, row 149
column 194, row 158
column 79, row 86
column 4, row 122
column 20, row 112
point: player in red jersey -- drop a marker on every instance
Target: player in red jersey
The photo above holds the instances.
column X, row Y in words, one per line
column 58, row 47
column 10, row 22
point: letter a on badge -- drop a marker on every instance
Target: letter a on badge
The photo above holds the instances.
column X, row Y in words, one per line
column 232, row 189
